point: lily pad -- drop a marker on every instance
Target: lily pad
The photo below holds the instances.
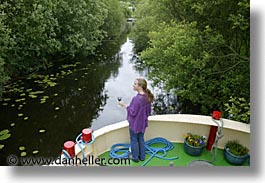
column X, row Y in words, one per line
column 3, row 132
column 20, row 114
column 36, row 92
column 12, row 124
column 35, row 152
column 22, row 154
column 42, row 131
column 57, row 108
column 51, row 84
column 5, row 136
column 26, row 118
column 1, row 146
column 21, row 148
column 32, row 96
column 42, row 101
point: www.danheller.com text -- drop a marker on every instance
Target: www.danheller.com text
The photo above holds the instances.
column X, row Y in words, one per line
column 13, row 160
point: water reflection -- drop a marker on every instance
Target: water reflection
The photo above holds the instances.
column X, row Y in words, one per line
column 119, row 85
column 77, row 99
column 84, row 97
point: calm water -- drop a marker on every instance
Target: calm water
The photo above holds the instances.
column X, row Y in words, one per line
column 120, row 85
column 85, row 95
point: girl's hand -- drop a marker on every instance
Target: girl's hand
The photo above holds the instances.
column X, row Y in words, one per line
column 121, row 103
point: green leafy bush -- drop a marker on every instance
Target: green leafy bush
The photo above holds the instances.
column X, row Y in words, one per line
column 238, row 109
column 236, row 148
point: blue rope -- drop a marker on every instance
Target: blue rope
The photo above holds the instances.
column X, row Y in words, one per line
column 122, row 150
column 66, row 154
column 80, row 142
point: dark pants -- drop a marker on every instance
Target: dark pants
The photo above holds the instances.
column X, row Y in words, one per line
column 137, row 145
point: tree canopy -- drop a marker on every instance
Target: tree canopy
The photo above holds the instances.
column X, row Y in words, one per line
column 200, row 49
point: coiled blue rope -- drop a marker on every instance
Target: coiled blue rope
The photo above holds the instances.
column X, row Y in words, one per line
column 122, row 150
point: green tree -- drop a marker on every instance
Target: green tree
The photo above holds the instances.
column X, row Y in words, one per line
column 43, row 29
column 200, row 49
column 114, row 23
column 5, row 42
column 198, row 65
column 32, row 28
column 178, row 57
column 79, row 26
column 145, row 22
column 238, row 109
column 35, row 33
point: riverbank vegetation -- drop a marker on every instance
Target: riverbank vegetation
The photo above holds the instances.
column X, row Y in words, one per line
column 35, row 35
column 200, row 49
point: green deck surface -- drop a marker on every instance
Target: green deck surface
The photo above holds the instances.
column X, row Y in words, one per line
column 183, row 158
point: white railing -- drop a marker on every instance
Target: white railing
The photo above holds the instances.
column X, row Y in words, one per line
column 171, row 126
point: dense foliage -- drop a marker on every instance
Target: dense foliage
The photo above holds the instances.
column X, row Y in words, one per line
column 200, row 49
column 34, row 34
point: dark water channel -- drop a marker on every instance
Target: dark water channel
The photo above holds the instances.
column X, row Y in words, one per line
column 46, row 111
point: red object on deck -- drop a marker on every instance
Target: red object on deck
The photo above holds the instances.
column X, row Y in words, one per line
column 69, row 146
column 211, row 137
column 86, row 135
column 217, row 115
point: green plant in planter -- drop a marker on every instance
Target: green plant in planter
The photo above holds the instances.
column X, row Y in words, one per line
column 236, row 148
column 235, row 153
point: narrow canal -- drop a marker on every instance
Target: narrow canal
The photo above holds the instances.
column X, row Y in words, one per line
column 119, row 85
column 44, row 111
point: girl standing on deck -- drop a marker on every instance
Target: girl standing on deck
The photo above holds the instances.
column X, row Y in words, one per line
column 137, row 116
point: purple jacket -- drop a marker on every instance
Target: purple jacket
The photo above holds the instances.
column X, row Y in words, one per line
column 138, row 112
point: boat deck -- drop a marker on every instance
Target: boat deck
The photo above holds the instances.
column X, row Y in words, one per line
column 183, row 160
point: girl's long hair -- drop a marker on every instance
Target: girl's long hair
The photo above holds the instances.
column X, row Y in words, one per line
column 143, row 83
